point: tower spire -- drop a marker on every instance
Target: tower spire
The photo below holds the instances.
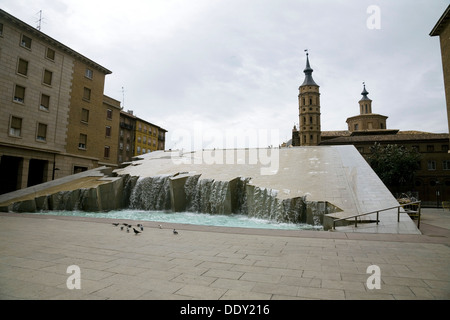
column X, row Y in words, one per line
column 364, row 92
column 308, row 73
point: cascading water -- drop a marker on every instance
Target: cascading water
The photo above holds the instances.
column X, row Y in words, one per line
column 151, row 193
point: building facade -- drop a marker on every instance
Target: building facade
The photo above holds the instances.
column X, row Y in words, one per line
column 442, row 29
column 148, row 137
column 126, row 136
column 43, row 85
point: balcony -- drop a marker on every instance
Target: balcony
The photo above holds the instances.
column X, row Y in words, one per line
column 126, row 126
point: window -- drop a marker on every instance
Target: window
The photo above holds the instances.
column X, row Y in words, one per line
column 106, row 152
column 22, row 67
column 444, row 147
column 25, row 42
column 82, row 142
column 78, row 169
column 19, row 94
column 431, row 165
column 430, row 148
column 446, row 164
column 41, row 132
column 88, row 73
column 48, row 77
column 356, row 127
column 121, row 145
column 50, row 54
column 138, row 150
column 109, row 114
column 84, row 115
column 381, row 126
column 139, row 139
column 143, row 151
column 87, row 94
column 45, row 102
column 108, row 132
column 144, row 139
column 15, row 127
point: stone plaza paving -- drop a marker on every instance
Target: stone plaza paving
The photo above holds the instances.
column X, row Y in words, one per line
column 217, row 263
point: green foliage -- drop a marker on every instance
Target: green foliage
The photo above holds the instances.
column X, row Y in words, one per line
column 395, row 165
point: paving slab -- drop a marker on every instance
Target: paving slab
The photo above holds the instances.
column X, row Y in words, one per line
column 205, row 263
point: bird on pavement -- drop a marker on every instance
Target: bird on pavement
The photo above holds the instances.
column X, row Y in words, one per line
column 136, row 232
column 115, row 224
column 175, row 231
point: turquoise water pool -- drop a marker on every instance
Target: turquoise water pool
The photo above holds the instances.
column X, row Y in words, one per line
column 235, row 220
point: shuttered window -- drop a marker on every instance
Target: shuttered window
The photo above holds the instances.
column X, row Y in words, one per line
column 19, row 94
column 48, row 77
column 82, row 144
column 50, row 54
column 85, row 115
column 42, row 132
column 22, row 68
column 45, row 102
column 15, row 128
column 87, row 94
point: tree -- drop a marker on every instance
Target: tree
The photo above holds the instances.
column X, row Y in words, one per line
column 394, row 165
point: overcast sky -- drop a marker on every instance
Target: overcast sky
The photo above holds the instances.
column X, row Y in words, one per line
column 233, row 67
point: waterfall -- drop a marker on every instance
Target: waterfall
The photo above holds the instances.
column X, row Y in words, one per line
column 207, row 195
column 151, row 193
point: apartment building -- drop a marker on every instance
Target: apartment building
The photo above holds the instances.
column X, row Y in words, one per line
column 148, row 137
column 47, row 90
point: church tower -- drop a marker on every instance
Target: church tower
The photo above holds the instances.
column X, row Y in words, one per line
column 365, row 104
column 366, row 121
column 309, row 109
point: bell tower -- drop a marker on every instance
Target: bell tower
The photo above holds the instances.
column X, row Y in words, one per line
column 309, row 109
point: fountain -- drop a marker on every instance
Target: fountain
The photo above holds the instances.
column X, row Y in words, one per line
column 303, row 185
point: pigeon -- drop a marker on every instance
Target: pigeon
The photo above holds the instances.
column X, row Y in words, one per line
column 121, row 228
column 128, row 230
column 160, row 226
column 115, row 224
column 175, row 231
column 136, row 232
column 142, row 227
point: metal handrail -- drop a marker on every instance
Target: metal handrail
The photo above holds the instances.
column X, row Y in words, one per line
column 378, row 212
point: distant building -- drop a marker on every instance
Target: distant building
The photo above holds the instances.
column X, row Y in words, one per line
column 148, row 137
column 126, row 136
column 442, row 29
column 431, row 182
column 309, row 110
